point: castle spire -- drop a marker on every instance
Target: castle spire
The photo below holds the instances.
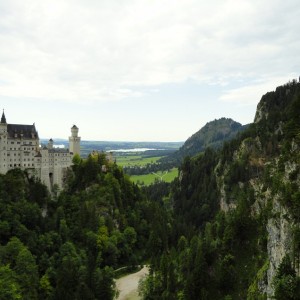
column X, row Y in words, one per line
column 3, row 119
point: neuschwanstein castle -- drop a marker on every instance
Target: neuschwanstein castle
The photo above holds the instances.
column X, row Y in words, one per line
column 20, row 148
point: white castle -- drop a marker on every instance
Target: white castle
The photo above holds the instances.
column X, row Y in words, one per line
column 20, row 148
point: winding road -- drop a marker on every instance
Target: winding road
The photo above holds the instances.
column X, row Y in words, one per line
column 128, row 285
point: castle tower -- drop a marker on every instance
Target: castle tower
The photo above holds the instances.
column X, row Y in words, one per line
column 50, row 144
column 74, row 141
column 3, row 145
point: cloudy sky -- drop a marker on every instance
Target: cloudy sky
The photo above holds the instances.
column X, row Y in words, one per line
column 142, row 70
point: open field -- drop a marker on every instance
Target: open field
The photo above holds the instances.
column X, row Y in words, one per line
column 150, row 178
column 135, row 160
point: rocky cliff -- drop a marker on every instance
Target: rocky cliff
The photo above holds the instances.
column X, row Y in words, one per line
column 236, row 212
column 273, row 148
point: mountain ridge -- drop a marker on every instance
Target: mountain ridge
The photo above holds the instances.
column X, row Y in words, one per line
column 236, row 213
column 213, row 134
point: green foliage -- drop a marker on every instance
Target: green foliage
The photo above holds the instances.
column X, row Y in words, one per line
column 68, row 248
column 286, row 283
column 253, row 291
column 23, row 266
column 9, row 287
column 196, row 197
column 166, row 176
column 46, row 290
column 212, row 135
column 209, row 254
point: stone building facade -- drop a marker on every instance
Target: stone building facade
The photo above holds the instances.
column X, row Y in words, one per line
column 20, row 148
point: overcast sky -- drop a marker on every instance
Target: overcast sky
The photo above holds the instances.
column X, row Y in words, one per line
column 142, row 70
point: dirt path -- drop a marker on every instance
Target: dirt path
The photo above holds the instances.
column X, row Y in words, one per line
column 128, row 285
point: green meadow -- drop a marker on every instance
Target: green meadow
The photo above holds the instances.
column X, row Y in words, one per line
column 150, row 178
column 135, row 160
column 142, row 160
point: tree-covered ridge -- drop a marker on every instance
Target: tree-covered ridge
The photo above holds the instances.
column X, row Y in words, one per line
column 235, row 214
column 68, row 247
column 212, row 135
column 227, row 228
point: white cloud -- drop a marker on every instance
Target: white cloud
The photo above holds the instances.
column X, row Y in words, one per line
column 106, row 50
column 252, row 93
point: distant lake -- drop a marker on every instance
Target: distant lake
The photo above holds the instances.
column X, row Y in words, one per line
column 134, row 150
column 54, row 146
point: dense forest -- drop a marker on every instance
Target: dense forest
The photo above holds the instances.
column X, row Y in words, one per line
column 67, row 245
column 212, row 135
column 233, row 227
column 227, row 228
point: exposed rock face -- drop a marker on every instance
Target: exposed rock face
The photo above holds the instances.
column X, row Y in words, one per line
column 279, row 242
column 259, row 115
column 279, row 225
column 265, row 163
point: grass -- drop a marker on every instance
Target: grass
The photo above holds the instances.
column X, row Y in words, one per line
column 150, row 178
column 135, row 160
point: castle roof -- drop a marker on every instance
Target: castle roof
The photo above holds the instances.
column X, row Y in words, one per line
column 58, row 150
column 24, row 131
column 3, row 119
column 74, row 127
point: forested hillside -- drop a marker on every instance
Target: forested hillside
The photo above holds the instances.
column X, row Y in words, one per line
column 67, row 246
column 234, row 230
column 227, row 228
column 212, row 135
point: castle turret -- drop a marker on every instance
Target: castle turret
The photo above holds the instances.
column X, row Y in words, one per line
column 50, row 144
column 3, row 119
column 3, row 145
column 74, row 141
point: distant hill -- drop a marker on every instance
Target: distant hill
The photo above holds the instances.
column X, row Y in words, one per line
column 212, row 135
column 86, row 147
